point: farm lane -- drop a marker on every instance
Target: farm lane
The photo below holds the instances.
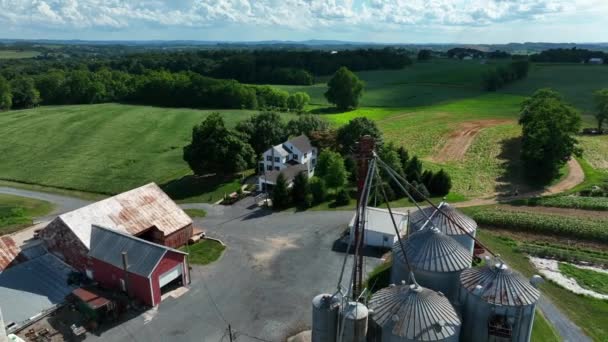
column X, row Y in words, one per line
column 62, row 203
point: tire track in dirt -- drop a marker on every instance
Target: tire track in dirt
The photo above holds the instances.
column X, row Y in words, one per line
column 460, row 140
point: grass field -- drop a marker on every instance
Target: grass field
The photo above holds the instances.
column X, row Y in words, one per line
column 204, row 252
column 105, row 148
column 543, row 331
column 588, row 313
column 8, row 54
column 592, row 280
column 17, row 212
column 196, row 212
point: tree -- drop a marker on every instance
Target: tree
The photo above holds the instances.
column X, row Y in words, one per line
column 280, row 193
column 216, row 149
column 263, row 130
column 330, row 167
column 404, row 156
column 297, row 101
column 601, row 106
column 317, row 189
column 388, row 154
column 306, row 124
column 25, row 94
column 440, row 184
column 427, row 177
column 521, row 69
column 349, row 134
column 548, row 130
column 491, row 80
column 51, row 87
column 345, row 89
column 413, row 171
column 6, row 96
column 300, row 190
column 342, row 198
column 424, row 55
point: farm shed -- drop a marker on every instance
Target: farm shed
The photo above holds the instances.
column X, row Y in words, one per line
column 146, row 212
column 379, row 230
column 151, row 268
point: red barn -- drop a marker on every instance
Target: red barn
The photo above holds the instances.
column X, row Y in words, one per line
column 145, row 212
column 151, row 268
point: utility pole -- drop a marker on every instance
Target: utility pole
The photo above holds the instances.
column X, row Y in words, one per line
column 363, row 156
column 230, row 332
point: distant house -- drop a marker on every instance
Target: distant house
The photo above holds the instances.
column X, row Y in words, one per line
column 289, row 158
column 379, row 228
column 596, row 61
column 151, row 268
column 146, row 212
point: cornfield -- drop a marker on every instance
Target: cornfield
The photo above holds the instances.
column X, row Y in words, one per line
column 575, row 202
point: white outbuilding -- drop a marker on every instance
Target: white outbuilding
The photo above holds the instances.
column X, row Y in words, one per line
column 379, row 229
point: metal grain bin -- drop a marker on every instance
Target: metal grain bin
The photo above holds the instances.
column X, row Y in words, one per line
column 419, row 220
column 413, row 313
column 437, row 261
column 499, row 304
column 354, row 318
column 325, row 309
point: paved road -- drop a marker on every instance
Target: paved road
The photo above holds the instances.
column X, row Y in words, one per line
column 568, row 331
column 263, row 285
column 62, row 203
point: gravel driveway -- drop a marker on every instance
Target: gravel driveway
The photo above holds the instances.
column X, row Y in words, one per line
column 263, row 284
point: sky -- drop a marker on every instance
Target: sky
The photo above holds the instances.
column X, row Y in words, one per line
column 383, row 21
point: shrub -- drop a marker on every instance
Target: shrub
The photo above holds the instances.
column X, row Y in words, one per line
column 280, row 193
column 317, row 189
column 342, row 198
column 440, row 184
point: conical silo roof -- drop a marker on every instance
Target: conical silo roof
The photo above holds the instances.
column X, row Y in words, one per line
column 497, row 284
column 414, row 312
column 439, row 220
column 432, row 250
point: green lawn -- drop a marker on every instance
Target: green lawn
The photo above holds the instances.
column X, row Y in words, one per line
column 18, row 212
column 106, row 148
column 589, row 279
column 588, row 313
column 196, row 212
column 543, row 331
column 204, row 252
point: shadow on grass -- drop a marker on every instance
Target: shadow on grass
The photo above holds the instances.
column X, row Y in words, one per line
column 193, row 186
column 329, row 110
column 513, row 180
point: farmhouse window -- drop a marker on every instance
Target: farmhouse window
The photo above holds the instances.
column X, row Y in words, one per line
column 277, row 159
column 269, row 167
column 295, row 156
column 277, row 168
column 269, row 158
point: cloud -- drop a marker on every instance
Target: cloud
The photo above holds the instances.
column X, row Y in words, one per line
column 292, row 14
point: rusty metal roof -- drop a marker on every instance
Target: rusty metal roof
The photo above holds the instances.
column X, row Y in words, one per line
column 143, row 256
column 131, row 212
column 431, row 250
column 497, row 284
column 89, row 296
column 441, row 222
column 414, row 312
column 8, row 252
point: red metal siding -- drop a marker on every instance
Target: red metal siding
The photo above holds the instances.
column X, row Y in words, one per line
column 170, row 260
column 61, row 241
column 109, row 277
column 179, row 238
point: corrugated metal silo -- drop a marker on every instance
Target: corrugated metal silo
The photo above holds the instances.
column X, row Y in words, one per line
column 414, row 313
column 436, row 259
column 354, row 317
column 499, row 304
column 419, row 220
column 325, row 309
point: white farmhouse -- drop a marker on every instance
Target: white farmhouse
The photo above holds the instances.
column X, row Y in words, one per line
column 289, row 158
column 379, row 229
column 596, row 61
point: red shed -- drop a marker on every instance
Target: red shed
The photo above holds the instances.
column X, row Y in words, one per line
column 146, row 212
column 151, row 268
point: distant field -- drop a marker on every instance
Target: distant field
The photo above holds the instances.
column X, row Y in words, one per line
column 8, row 54
column 105, row 148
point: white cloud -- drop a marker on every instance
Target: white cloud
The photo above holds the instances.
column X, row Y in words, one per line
column 292, row 14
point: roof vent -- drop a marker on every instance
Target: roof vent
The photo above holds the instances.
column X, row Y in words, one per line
column 536, row 280
column 478, row 289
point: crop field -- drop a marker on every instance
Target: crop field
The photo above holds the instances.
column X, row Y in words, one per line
column 595, row 151
column 9, row 54
column 105, row 148
column 590, row 229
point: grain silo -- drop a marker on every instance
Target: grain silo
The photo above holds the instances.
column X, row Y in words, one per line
column 499, row 304
column 447, row 225
column 325, row 310
column 413, row 313
column 354, row 320
column 436, row 260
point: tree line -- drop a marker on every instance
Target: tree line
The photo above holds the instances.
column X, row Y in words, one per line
column 573, row 55
column 500, row 76
column 159, row 88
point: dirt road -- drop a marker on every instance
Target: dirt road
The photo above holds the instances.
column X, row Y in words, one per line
column 461, row 139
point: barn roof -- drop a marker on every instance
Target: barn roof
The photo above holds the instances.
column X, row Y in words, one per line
column 107, row 245
column 379, row 220
column 8, row 252
column 131, row 212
